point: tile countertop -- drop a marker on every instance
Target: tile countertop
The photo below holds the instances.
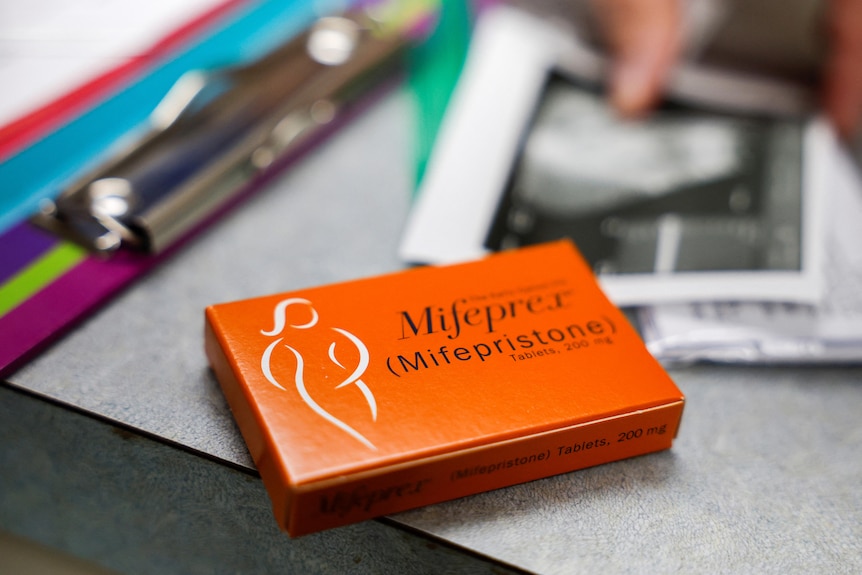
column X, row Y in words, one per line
column 764, row 476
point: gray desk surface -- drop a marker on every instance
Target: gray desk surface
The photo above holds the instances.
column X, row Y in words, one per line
column 764, row 477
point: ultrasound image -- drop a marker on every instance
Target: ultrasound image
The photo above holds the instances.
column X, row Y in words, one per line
column 680, row 191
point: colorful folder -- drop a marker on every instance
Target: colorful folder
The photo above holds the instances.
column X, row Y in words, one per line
column 47, row 284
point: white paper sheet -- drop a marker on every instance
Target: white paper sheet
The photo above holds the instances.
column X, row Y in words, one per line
column 48, row 47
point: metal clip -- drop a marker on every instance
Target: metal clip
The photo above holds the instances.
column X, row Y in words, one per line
column 213, row 132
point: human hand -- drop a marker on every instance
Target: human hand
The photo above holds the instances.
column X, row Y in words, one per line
column 645, row 37
column 842, row 90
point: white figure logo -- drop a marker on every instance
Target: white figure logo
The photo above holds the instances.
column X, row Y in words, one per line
column 280, row 320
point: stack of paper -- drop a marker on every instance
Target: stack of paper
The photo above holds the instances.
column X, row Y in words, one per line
column 781, row 332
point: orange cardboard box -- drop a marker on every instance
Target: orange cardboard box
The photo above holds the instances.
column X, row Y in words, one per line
column 378, row 395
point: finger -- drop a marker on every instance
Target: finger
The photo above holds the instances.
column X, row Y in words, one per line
column 843, row 72
column 644, row 40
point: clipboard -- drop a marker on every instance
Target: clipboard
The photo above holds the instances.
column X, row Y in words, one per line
column 47, row 283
